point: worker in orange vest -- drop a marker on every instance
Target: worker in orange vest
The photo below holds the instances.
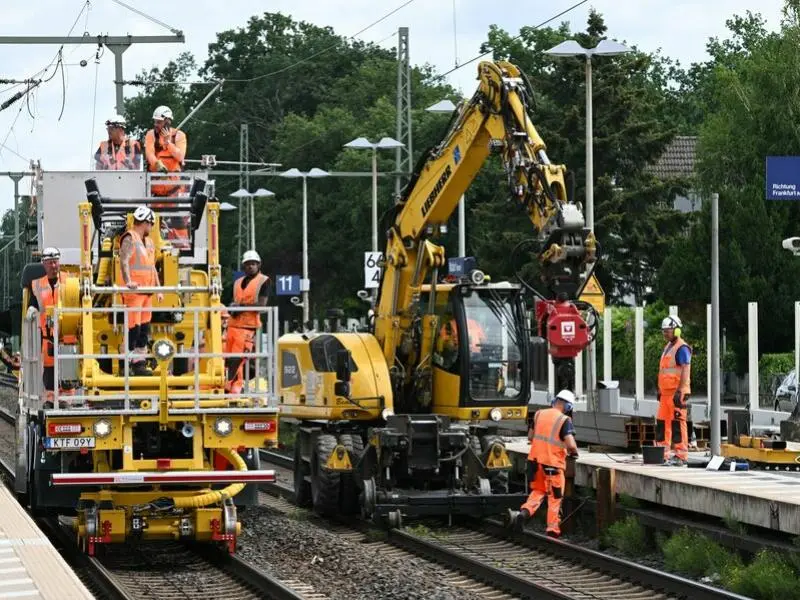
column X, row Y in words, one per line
column 118, row 152
column 165, row 151
column 552, row 437
column 448, row 335
column 249, row 290
column 45, row 292
column 138, row 269
column 674, row 377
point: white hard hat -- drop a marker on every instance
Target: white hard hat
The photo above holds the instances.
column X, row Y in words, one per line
column 671, row 322
column 51, row 253
column 117, row 120
column 143, row 213
column 250, row 255
column 566, row 396
column 162, row 112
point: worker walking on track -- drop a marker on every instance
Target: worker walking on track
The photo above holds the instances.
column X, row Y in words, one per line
column 249, row 290
column 674, row 376
column 118, row 152
column 552, row 437
column 138, row 270
column 45, row 292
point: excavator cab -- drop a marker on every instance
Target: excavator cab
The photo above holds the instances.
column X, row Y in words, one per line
column 481, row 351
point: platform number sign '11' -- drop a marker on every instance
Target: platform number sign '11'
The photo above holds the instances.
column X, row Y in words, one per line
column 287, row 285
column 372, row 269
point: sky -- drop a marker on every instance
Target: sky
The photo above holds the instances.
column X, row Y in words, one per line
column 67, row 126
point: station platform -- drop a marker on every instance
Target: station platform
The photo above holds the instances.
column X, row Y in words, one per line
column 761, row 498
column 30, row 566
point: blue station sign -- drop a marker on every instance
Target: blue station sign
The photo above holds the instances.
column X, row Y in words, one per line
column 783, row 178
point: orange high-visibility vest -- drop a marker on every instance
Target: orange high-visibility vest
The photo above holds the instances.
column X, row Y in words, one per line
column 244, row 296
column 154, row 152
column 126, row 156
column 669, row 372
column 46, row 296
column 142, row 262
column 546, row 446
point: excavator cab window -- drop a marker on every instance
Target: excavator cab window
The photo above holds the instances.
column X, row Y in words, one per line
column 493, row 344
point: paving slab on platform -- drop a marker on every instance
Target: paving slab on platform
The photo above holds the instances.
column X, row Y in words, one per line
column 30, row 567
column 761, row 498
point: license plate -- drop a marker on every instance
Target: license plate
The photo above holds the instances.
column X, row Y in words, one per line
column 59, row 443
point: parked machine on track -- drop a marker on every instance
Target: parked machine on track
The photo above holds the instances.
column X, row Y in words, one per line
column 162, row 456
column 402, row 421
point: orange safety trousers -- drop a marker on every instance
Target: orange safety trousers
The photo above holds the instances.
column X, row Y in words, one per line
column 238, row 340
column 671, row 427
column 552, row 487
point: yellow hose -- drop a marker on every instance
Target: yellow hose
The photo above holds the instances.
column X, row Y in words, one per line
column 215, row 496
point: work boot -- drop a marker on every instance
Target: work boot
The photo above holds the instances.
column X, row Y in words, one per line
column 139, row 369
column 552, row 534
column 677, row 462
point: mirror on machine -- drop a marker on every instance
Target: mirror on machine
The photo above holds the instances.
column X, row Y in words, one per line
column 343, row 371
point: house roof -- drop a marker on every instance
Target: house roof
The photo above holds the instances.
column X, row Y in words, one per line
column 678, row 159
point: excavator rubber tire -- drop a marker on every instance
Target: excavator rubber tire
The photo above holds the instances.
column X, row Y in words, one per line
column 325, row 484
column 302, row 489
column 497, row 479
column 348, row 496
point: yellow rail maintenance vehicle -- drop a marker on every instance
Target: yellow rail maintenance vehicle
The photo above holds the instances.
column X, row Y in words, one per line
column 159, row 454
column 403, row 421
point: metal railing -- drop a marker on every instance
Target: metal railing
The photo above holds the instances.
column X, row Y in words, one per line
column 193, row 400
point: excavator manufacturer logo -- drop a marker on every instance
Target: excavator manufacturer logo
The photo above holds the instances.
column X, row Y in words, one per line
column 436, row 190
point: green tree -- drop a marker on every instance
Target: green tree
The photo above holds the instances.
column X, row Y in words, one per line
column 752, row 102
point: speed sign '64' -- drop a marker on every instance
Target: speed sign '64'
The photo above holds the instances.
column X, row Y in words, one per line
column 372, row 269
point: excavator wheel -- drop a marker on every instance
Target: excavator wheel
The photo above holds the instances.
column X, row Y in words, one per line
column 348, row 498
column 497, row 479
column 302, row 489
column 325, row 484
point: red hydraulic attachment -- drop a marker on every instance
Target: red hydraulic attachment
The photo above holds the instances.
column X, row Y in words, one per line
column 567, row 332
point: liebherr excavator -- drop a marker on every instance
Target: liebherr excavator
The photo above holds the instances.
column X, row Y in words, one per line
column 400, row 422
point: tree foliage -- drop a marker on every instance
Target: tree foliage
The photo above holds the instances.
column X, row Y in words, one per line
column 749, row 94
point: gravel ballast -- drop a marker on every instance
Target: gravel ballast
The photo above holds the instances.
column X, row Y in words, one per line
column 297, row 549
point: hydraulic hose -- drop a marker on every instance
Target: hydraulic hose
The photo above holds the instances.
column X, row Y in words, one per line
column 214, row 496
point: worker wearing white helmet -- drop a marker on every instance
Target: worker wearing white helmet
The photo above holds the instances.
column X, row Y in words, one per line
column 674, row 376
column 137, row 262
column 252, row 289
column 552, row 437
column 118, row 152
column 43, row 294
column 165, row 150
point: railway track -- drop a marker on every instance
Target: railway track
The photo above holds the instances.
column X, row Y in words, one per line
column 529, row 565
column 163, row 571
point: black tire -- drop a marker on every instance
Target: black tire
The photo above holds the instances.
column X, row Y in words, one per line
column 325, row 484
column 348, row 497
column 497, row 479
column 302, row 488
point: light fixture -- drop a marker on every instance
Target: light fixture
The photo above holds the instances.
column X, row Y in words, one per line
column 263, row 193
column 443, row 106
column 386, row 413
column 223, row 426
column 163, row 350
column 495, row 414
column 241, row 193
column 226, row 206
column 102, row 428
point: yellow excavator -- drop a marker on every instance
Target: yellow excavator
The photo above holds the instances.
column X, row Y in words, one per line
column 402, row 421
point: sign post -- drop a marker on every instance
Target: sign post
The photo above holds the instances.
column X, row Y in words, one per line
column 287, row 285
column 783, row 178
column 372, row 270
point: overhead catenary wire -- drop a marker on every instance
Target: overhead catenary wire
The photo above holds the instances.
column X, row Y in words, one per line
column 169, row 28
column 516, row 37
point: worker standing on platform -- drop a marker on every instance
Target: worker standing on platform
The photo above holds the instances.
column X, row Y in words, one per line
column 44, row 295
column 118, row 152
column 552, row 437
column 137, row 270
column 249, row 290
column 674, row 376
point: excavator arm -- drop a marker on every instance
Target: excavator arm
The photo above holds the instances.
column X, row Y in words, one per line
column 495, row 120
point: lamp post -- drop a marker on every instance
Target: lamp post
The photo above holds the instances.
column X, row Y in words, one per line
column 314, row 173
column 446, row 106
column 259, row 193
column 603, row 48
column 385, row 143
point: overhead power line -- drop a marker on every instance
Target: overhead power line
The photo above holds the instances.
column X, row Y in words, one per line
column 169, row 28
